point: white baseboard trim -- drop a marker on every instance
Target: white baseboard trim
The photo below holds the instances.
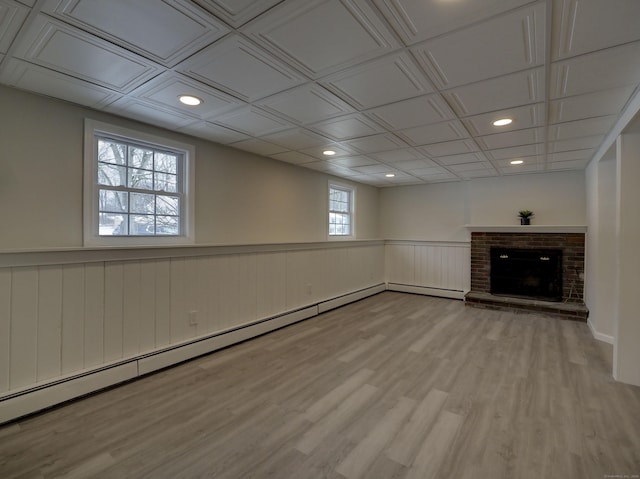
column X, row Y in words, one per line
column 21, row 403
column 599, row 336
column 350, row 298
column 443, row 293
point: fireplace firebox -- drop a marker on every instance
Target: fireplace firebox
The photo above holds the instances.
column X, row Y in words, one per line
column 526, row 273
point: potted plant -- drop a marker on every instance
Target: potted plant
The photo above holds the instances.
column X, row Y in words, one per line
column 525, row 217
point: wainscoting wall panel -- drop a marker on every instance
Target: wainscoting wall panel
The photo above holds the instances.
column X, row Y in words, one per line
column 81, row 313
column 434, row 268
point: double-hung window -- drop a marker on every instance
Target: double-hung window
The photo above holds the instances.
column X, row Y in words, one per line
column 340, row 211
column 138, row 188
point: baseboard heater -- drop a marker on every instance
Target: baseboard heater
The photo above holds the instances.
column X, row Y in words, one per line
column 36, row 398
column 426, row 290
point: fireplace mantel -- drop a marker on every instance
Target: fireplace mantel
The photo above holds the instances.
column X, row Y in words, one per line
column 526, row 229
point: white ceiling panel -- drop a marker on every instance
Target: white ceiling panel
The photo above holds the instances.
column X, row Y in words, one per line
column 442, row 178
column 347, row 127
column 417, row 20
column 55, row 45
column 253, row 121
column 520, row 169
column 460, row 159
column 376, row 143
column 51, row 83
column 149, row 113
column 436, row 133
column 569, row 165
column 414, row 165
column 507, row 91
column 294, row 157
column 575, row 23
column 534, row 161
column 353, row 161
column 419, row 111
column 571, row 155
column 12, row 15
column 395, row 156
column 296, row 139
column 529, row 116
column 367, row 85
column 449, row 148
column 165, row 90
column 306, row 104
column 511, row 138
column 372, row 169
column 259, row 147
column 516, row 152
column 338, row 149
column 142, row 26
column 518, row 37
column 584, row 143
column 602, row 70
column 237, row 12
column 297, row 32
column 581, row 128
column 240, row 68
column 601, row 103
column 426, row 172
column 215, row 133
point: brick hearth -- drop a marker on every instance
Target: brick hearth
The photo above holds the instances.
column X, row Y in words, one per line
column 572, row 246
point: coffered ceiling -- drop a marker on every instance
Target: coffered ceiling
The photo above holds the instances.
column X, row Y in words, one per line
column 403, row 87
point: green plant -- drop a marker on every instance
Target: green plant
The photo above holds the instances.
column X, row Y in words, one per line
column 525, row 214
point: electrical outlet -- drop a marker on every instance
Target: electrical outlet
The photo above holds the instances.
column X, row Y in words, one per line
column 193, row 318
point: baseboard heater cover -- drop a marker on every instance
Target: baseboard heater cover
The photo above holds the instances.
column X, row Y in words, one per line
column 425, row 290
column 42, row 397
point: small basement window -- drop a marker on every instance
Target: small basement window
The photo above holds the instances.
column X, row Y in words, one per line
column 340, row 211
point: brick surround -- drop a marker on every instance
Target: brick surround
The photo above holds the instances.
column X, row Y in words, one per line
column 572, row 246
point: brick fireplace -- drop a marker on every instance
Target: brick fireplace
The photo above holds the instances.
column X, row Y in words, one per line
column 572, row 246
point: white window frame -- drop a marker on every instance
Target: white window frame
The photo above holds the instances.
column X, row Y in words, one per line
column 352, row 210
column 94, row 129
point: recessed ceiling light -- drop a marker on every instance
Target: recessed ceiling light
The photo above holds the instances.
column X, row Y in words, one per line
column 190, row 100
column 517, row 162
column 328, row 152
column 390, row 175
column 503, row 122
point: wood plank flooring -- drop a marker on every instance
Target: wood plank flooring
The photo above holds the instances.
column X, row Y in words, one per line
column 395, row 386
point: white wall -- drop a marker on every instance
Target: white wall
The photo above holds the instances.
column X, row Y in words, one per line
column 240, row 197
column 438, row 212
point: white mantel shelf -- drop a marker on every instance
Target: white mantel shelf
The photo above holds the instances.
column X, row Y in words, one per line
column 526, row 229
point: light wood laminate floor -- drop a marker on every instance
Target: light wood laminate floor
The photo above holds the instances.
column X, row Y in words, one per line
column 394, row 386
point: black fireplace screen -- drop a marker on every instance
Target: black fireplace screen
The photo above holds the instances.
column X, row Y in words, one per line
column 527, row 273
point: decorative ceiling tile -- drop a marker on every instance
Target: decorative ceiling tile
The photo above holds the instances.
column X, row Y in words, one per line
column 574, row 24
column 12, row 15
column 51, row 83
column 347, row 127
column 394, row 156
column 338, row 149
column 376, row 143
column 436, row 133
column 571, row 155
column 294, row 157
column 165, row 90
column 516, row 152
column 602, row 70
column 240, row 68
column 580, row 128
column 297, row 139
column 583, row 143
column 568, row 165
column 508, row 91
column 413, row 165
column 523, row 117
column 353, row 161
column 419, row 20
column 306, row 104
column 601, row 103
column 142, row 26
column 449, row 148
column 419, row 111
column 511, row 138
column 149, row 113
column 517, row 35
column 252, row 121
column 52, row 44
column 259, row 147
column 367, row 85
column 297, row 32
column 460, row 159
column 215, row 133
column 237, row 12
column 372, row 169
